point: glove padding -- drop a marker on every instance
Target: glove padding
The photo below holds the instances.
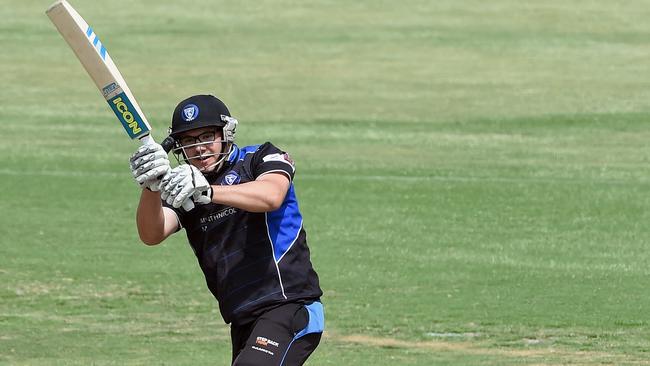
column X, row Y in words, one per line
column 149, row 164
column 185, row 182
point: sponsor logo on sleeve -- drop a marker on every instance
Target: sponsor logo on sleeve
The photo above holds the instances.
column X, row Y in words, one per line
column 280, row 157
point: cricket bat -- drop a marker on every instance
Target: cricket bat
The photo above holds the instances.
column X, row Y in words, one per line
column 98, row 63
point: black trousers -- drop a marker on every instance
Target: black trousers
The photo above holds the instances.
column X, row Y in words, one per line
column 274, row 339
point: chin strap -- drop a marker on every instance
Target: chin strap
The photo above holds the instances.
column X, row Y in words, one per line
column 220, row 165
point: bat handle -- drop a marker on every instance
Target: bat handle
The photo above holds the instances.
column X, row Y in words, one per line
column 147, row 140
column 188, row 205
column 168, row 144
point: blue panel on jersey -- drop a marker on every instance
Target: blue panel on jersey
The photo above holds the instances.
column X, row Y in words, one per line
column 284, row 224
column 240, row 153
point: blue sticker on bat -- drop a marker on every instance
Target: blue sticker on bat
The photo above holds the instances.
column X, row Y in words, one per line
column 96, row 42
column 126, row 113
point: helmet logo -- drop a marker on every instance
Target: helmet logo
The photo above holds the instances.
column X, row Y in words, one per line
column 190, row 112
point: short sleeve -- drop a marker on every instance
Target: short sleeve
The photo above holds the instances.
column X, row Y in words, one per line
column 269, row 159
column 178, row 213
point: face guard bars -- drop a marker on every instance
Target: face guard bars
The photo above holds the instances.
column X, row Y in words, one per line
column 228, row 138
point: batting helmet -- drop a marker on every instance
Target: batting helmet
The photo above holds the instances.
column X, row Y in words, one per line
column 203, row 111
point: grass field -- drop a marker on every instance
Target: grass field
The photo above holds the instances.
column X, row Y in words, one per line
column 473, row 176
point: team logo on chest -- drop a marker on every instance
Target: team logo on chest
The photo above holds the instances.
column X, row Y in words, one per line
column 231, row 178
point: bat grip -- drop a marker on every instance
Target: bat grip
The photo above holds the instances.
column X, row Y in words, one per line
column 188, row 205
column 168, row 144
column 147, row 140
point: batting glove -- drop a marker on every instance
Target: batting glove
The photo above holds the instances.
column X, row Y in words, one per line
column 149, row 164
column 185, row 182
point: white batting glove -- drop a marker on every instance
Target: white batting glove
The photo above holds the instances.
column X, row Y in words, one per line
column 149, row 164
column 185, row 182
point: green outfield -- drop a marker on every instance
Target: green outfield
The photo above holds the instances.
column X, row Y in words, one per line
column 473, row 177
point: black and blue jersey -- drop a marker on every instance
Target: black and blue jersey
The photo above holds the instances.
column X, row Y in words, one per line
column 252, row 261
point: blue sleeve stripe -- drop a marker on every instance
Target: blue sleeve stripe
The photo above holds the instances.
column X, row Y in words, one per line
column 281, row 254
column 284, row 225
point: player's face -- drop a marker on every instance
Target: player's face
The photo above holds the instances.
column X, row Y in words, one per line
column 202, row 147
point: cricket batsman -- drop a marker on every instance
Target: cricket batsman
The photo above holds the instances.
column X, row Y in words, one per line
column 245, row 229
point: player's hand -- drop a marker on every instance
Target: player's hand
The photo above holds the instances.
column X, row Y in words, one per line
column 185, row 182
column 149, row 164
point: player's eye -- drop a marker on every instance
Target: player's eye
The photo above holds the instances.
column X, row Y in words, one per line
column 187, row 140
column 207, row 136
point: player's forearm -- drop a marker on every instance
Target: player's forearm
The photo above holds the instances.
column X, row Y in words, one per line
column 256, row 196
column 150, row 218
